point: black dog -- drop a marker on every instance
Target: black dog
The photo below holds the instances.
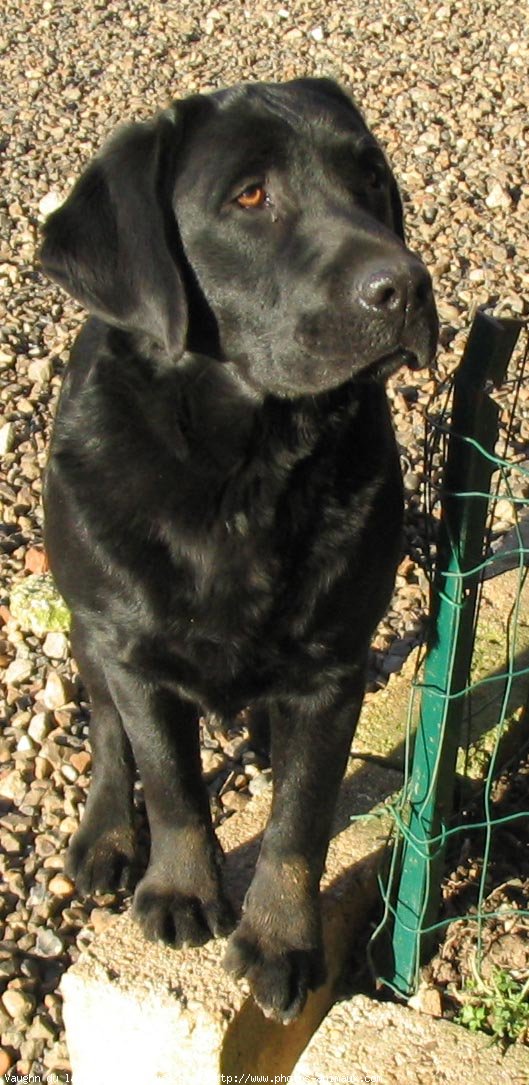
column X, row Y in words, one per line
column 224, row 497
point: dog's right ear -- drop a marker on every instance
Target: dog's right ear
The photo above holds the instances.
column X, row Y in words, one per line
column 113, row 244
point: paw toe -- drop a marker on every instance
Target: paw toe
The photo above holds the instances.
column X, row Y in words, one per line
column 103, row 865
column 178, row 919
column 280, row 981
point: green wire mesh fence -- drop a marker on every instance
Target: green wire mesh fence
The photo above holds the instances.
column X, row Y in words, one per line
column 462, row 704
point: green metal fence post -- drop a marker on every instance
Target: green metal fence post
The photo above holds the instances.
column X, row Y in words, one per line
column 460, row 546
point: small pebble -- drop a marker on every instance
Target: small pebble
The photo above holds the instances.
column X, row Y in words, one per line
column 8, row 970
column 49, row 203
column 56, row 646
column 24, row 744
column 5, row 1061
column 40, row 726
column 45, row 845
column 498, row 197
column 57, row 691
column 235, row 747
column 12, row 786
column 40, row 371
column 18, row 671
column 234, row 800
column 504, row 511
column 101, row 918
column 7, row 438
column 260, row 783
column 81, row 761
column 43, row 768
column 212, row 763
column 35, row 560
column 42, row 1028
column 18, row 1004
column 61, row 886
column 48, row 943
column 69, row 825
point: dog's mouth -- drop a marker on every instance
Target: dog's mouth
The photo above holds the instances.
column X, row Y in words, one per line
column 315, row 379
column 388, row 364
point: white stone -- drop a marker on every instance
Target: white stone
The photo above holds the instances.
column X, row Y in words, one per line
column 18, row 1004
column 50, row 202
column 7, row 436
column 40, row 371
column 12, row 786
column 69, row 772
column 24, row 744
column 55, row 646
column 56, row 691
column 39, row 727
column 498, row 197
column 7, row 358
column 18, row 671
column 503, row 510
column 48, row 943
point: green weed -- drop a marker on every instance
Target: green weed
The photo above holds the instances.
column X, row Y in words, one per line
column 497, row 1005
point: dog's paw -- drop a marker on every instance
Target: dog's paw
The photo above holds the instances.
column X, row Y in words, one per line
column 279, row 979
column 102, row 863
column 166, row 915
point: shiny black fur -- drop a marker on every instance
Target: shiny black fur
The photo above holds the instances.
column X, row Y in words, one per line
column 223, row 496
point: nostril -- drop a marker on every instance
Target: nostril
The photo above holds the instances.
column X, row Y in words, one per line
column 383, row 290
column 386, row 295
column 396, row 289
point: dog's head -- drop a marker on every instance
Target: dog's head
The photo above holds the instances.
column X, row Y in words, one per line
column 260, row 225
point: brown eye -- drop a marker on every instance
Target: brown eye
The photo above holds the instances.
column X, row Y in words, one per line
column 373, row 168
column 374, row 178
column 253, row 196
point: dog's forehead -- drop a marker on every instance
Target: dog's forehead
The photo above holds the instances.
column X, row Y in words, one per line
column 285, row 108
column 260, row 123
column 300, row 101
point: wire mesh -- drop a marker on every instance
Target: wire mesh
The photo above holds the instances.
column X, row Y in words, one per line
column 494, row 698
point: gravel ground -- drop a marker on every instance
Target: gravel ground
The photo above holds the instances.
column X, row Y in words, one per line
column 444, row 86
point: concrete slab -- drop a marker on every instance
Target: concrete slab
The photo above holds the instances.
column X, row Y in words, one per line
column 149, row 1013
column 365, row 1041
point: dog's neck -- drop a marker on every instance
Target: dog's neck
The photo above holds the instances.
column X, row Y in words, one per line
column 220, row 409
column 199, row 414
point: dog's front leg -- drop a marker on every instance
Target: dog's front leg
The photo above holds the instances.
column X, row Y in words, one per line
column 179, row 899
column 278, row 944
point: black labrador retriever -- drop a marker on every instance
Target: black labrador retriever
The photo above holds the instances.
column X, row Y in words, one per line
column 223, row 497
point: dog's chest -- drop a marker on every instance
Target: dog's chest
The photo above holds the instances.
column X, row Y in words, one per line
column 268, row 582
column 240, row 555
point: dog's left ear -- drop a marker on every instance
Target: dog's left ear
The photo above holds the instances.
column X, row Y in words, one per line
column 113, row 244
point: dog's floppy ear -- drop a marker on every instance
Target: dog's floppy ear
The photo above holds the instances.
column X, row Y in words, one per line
column 113, row 244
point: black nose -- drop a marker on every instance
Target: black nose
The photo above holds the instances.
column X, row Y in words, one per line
column 395, row 289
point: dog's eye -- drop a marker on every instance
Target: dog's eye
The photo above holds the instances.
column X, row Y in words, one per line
column 374, row 179
column 374, row 169
column 253, row 196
